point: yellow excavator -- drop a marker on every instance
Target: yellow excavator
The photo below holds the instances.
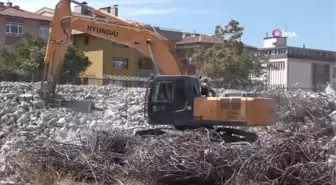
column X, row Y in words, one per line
column 173, row 98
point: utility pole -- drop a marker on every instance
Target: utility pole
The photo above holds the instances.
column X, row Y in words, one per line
column 285, row 27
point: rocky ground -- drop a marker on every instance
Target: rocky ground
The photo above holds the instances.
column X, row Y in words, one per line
column 299, row 149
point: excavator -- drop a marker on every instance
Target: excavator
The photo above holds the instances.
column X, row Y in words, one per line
column 173, row 98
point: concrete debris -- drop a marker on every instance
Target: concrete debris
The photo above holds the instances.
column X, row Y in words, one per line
column 22, row 119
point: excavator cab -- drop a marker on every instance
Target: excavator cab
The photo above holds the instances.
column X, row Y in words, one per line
column 171, row 99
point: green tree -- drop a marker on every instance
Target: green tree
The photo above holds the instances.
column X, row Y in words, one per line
column 75, row 63
column 229, row 60
column 27, row 57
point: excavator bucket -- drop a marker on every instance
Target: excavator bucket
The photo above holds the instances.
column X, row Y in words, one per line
column 57, row 101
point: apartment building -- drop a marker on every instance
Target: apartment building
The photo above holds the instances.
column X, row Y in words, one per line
column 17, row 22
column 185, row 48
column 298, row 67
column 112, row 58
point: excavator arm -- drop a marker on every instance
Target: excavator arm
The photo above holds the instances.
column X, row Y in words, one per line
column 116, row 29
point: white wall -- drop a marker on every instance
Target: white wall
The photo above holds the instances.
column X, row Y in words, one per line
column 274, row 42
column 300, row 73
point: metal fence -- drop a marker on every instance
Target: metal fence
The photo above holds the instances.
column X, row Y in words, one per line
column 134, row 81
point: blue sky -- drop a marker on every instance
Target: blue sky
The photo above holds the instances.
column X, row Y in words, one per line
column 313, row 21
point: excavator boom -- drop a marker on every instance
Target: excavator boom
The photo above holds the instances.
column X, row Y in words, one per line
column 112, row 28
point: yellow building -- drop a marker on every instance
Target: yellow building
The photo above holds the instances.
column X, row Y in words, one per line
column 111, row 58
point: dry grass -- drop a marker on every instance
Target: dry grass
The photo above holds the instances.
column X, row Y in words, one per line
column 188, row 159
column 34, row 173
column 69, row 181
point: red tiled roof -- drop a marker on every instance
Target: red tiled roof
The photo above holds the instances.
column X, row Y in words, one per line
column 11, row 11
column 82, row 15
column 49, row 10
column 205, row 39
column 193, row 39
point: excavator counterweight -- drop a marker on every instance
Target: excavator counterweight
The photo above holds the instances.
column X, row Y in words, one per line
column 173, row 98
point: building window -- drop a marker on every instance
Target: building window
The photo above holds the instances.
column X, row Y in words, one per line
column 301, row 51
column 14, row 29
column 119, row 45
column 273, row 52
column 86, row 40
column 304, row 52
column 180, row 53
column 277, row 66
column 334, row 72
column 120, row 63
column 324, row 54
column 310, row 53
column 73, row 41
column 297, row 51
column 145, row 63
column 320, row 75
column 330, row 55
column 44, row 32
column 190, row 58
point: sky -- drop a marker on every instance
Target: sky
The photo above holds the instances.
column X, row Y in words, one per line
column 312, row 21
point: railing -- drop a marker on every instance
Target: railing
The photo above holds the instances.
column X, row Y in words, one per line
column 124, row 81
column 134, row 81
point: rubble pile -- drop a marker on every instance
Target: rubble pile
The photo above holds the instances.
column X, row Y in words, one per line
column 299, row 149
column 301, row 109
column 21, row 109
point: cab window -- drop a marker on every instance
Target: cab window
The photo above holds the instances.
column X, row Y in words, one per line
column 163, row 92
column 180, row 95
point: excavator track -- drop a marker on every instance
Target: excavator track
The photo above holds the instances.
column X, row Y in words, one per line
column 220, row 134
column 230, row 135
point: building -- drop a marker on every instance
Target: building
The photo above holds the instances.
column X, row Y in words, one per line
column 17, row 22
column 112, row 58
column 185, row 48
column 298, row 67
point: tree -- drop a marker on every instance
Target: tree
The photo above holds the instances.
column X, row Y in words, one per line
column 27, row 57
column 75, row 63
column 229, row 60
